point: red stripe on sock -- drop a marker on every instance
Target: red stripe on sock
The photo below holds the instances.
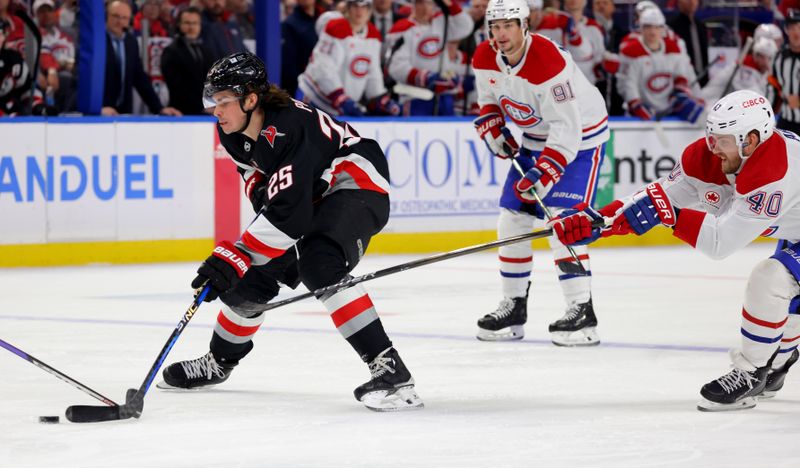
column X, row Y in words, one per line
column 570, row 259
column 762, row 323
column 233, row 328
column 348, row 311
column 789, row 340
column 515, row 260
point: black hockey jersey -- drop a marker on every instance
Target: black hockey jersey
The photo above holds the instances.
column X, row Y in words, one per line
column 304, row 155
column 15, row 81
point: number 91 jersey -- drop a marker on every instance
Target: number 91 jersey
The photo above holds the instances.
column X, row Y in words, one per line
column 302, row 155
column 545, row 95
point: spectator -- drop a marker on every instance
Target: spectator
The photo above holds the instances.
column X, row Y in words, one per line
column 786, row 69
column 15, row 77
column 185, row 63
column 476, row 11
column 345, row 67
column 220, row 36
column 655, row 75
column 298, row 38
column 242, row 15
column 67, row 14
column 15, row 32
column 607, row 84
column 694, row 35
column 57, row 59
column 124, row 70
column 752, row 74
column 151, row 12
column 591, row 32
column 385, row 13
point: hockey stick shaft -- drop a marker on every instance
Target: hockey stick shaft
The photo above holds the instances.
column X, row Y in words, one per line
column 547, row 213
column 745, row 50
column 57, row 373
column 134, row 399
column 418, row 263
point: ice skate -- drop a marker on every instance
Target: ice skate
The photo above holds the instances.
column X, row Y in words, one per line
column 735, row 390
column 577, row 327
column 775, row 378
column 505, row 323
column 391, row 387
column 204, row 371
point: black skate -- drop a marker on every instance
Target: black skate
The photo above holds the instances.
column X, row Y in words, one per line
column 505, row 323
column 391, row 387
column 204, row 371
column 775, row 378
column 735, row 390
column 577, row 327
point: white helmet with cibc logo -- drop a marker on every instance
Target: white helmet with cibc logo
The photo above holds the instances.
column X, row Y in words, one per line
column 507, row 10
column 738, row 114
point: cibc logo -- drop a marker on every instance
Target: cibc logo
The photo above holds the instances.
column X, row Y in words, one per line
column 754, row 102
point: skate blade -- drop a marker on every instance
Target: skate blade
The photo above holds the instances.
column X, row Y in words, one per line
column 583, row 337
column 163, row 385
column 400, row 399
column 514, row 332
column 712, row 407
column 768, row 395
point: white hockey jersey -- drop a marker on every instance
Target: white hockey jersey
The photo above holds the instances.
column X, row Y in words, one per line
column 651, row 76
column 593, row 34
column 422, row 44
column 545, row 95
column 747, row 76
column 343, row 60
column 722, row 213
column 553, row 27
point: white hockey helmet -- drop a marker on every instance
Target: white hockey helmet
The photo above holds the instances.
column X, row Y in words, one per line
column 507, row 10
column 652, row 17
column 769, row 31
column 644, row 5
column 766, row 47
column 738, row 114
column 535, row 4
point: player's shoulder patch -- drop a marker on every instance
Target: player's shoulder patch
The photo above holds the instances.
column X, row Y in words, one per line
column 372, row 32
column 768, row 164
column 338, row 28
column 403, row 25
column 671, row 45
column 633, row 48
column 485, row 57
column 544, row 60
column 698, row 162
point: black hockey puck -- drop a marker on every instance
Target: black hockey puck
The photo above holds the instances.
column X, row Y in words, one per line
column 48, row 419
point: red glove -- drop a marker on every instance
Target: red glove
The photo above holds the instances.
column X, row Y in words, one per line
column 223, row 270
column 543, row 176
column 639, row 109
column 498, row 138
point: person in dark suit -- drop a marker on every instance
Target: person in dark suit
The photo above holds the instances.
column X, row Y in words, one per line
column 185, row 63
column 298, row 38
column 220, row 36
column 694, row 34
column 124, row 70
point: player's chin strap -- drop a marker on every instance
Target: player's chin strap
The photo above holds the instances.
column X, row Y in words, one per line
column 510, row 54
column 249, row 114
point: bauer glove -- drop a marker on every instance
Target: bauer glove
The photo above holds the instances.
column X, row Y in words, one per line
column 498, row 138
column 223, row 270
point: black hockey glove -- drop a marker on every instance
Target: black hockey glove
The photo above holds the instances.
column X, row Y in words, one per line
column 223, row 270
column 255, row 187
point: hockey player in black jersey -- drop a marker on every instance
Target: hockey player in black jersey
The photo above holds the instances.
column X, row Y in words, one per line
column 320, row 192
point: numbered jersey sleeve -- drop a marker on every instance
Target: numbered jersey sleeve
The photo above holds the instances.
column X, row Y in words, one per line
column 325, row 63
column 763, row 199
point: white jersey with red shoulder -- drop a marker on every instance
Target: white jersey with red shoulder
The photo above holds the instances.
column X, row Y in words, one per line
column 555, row 26
column 592, row 34
column 545, row 95
column 668, row 34
column 651, row 75
column 747, row 76
column 721, row 213
column 343, row 60
column 419, row 52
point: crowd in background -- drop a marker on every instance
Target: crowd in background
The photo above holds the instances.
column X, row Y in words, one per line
column 158, row 52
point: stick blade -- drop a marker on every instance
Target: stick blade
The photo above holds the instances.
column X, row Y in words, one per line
column 134, row 404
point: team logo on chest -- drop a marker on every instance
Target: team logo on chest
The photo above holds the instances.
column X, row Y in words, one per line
column 270, row 133
column 359, row 67
column 659, row 82
column 521, row 114
column 429, row 47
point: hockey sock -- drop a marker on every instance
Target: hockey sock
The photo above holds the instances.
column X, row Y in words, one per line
column 789, row 342
column 516, row 260
column 355, row 317
column 233, row 334
column 577, row 288
column 764, row 314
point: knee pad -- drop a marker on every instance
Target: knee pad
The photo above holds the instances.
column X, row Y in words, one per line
column 771, row 278
column 322, row 262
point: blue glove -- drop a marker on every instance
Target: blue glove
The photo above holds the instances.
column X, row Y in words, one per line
column 574, row 226
column 383, row 105
column 349, row 107
column 685, row 106
column 649, row 209
column 440, row 84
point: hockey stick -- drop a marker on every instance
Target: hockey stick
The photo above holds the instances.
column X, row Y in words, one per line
column 134, row 399
column 446, row 12
column 57, row 373
column 347, row 283
column 745, row 50
column 32, row 56
column 581, row 270
column 414, row 92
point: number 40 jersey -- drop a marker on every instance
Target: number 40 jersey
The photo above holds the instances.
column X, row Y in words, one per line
column 302, row 155
column 545, row 95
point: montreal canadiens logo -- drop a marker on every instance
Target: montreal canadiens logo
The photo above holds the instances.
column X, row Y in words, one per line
column 521, row 114
column 712, row 197
column 429, row 47
column 360, row 66
column 659, row 82
column 270, row 133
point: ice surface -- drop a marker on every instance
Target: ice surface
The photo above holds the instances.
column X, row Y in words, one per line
column 667, row 316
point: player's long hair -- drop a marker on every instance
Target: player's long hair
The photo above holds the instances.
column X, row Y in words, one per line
column 274, row 97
